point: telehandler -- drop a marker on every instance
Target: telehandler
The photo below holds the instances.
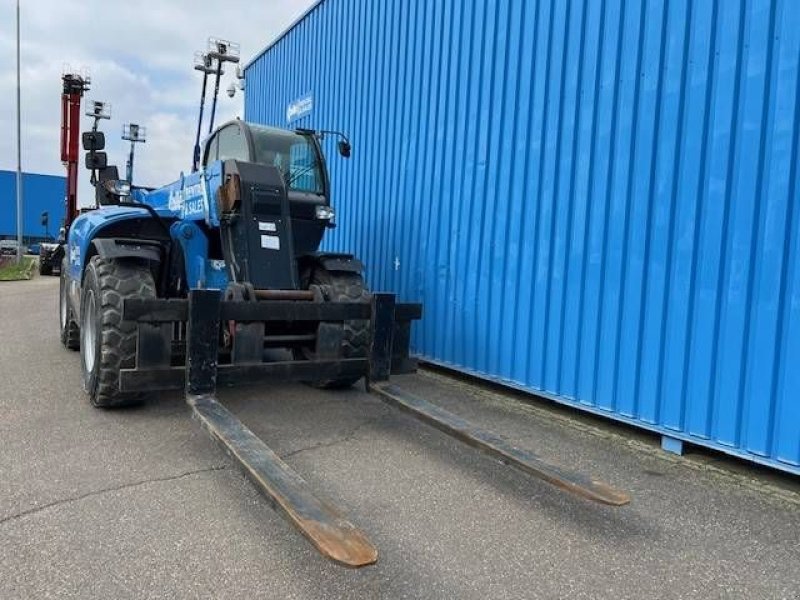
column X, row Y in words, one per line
column 216, row 279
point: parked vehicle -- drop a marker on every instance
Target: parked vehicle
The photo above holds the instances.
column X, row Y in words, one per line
column 9, row 247
column 50, row 256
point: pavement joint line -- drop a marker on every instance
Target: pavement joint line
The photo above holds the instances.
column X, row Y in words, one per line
column 349, row 436
column 116, row 488
column 764, row 488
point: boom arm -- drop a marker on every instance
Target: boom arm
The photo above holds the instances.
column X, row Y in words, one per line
column 74, row 87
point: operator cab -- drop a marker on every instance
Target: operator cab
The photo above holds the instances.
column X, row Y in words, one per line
column 296, row 154
column 284, row 201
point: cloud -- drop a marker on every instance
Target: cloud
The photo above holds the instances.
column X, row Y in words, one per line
column 139, row 55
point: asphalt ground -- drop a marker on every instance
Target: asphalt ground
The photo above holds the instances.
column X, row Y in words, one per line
column 141, row 503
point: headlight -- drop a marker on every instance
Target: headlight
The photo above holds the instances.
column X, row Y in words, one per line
column 122, row 188
column 117, row 187
column 325, row 213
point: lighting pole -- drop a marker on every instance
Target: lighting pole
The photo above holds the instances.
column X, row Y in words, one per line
column 210, row 63
column 221, row 51
column 19, row 154
column 133, row 133
column 204, row 64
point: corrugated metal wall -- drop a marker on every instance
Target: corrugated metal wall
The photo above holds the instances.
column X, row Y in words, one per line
column 39, row 193
column 597, row 201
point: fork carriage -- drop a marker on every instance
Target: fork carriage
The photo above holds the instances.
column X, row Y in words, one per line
column 179, row 341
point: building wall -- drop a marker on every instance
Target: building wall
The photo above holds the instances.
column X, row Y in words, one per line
column 39, row 193
column 595, row 201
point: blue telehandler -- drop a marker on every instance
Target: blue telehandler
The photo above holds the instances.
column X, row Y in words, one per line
column 216, row 279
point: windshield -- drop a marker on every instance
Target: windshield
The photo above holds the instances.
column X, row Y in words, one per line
column 294, row 154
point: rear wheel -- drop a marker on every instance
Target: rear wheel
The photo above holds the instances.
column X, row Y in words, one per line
column 336, row 286
column 69, row 332
column 108, row 344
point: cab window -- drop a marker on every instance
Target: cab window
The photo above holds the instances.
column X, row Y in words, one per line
column 211, row 150
column 293, row 154
column 232, row 144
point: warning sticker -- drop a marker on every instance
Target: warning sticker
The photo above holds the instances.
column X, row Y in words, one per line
column 266, row 226
column 271, row 242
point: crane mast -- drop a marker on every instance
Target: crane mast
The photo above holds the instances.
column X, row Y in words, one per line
column 74, row 88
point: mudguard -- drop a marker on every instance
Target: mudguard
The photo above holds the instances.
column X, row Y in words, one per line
column 127, row 248
column 333, row 261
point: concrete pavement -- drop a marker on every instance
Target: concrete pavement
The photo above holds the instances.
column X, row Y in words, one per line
column 141, row 504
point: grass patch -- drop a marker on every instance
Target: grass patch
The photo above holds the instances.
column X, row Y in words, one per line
column 11, row 271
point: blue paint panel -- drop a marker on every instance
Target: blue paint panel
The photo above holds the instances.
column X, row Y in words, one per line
column 595, row 200
column 711, row 108
column 40, row 193
column 664, row 221
column 745, row 212
column 188, row 198
column 580, row 183
column 596, row 259
column 785, row 437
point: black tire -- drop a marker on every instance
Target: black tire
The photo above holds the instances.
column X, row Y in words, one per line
column 45, row 269
column 108, row 344
column 341, row 287
column 70, row 334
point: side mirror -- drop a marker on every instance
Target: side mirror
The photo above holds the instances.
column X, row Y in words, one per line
column 93, row 140
column 96, row 160
column 344, row 148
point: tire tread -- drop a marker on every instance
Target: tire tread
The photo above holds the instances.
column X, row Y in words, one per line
column 345, row 287
column 116, row 281
column 71, row 334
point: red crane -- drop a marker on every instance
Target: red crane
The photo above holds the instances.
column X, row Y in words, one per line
column 74, row 87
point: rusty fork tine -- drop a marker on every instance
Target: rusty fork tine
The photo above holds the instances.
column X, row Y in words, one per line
column 494, row 445
column 318, row 520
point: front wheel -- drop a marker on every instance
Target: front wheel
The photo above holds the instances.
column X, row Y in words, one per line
column 339, row 287
column 108, row 344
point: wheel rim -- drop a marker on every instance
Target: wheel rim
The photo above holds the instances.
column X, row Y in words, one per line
column 88, row 333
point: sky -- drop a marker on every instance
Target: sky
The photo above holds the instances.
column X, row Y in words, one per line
column 139, row 55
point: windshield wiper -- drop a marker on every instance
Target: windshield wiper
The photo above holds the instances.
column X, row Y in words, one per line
column 300, row 173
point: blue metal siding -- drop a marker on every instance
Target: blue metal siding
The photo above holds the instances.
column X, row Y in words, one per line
column 39, row 193
column 595, row 201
